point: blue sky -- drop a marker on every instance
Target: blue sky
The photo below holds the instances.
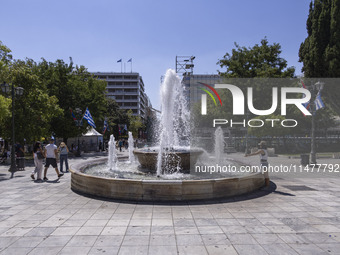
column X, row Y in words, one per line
column 98, row 33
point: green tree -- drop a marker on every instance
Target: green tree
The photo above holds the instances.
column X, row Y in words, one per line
column 35, row 108
column 135, row 123
column 5, row 112
column 5, row 62
column 259, row 61
column 74, row 87
column 320, row 52
column 114, row 116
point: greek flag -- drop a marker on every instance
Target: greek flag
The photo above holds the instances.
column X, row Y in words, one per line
column 130, row 60
column 89, row 118
column 318, row 102
column 120, row 60
column 106, row 126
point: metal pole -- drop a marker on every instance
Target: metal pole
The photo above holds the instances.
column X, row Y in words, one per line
column 246, row 150
column 312, row 152
column 13, row 167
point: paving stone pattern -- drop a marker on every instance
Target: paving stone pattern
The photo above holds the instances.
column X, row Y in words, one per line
column 49, row 218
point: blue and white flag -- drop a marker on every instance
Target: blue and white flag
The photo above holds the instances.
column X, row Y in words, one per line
column 130, row 60
column 120, row 60
column 318, row 102
column 89, row 118
column 106, row 126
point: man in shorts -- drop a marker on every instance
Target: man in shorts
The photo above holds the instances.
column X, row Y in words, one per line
column 51, row 154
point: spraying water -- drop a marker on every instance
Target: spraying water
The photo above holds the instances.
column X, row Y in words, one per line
column 112, row 159
column 174, row 120
column 219, row 145
column 130, row 142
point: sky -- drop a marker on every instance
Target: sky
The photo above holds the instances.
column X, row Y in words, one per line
column 97, row 33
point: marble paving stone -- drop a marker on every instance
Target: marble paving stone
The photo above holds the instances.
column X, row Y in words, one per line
column 16, row 251
column 164, row 250
column 162, row 230
column 162, row 222
column 191, row 250
column 54, row 241
column 115, row 222
column 78, row 241
column 215, row 239
column 16, row 231
column 90, row 231
column 135, row 240
column 247, row 249
column 65, row 231
column 186, row 230
column 74, row 250
column 310, row 249
column 230, row 229
column 95, row 223
column 110, row 231
column 279, row 249
column 46, row 251
column 133, row 230
column 280, row 229
column 267, row 238
column 139, row 222
column 232, row 222
column 330, row 248
column 163, row 240
column 190, row 240
column 28, row 241
column 40, row 231
column 221, row 249
column 110, row 250
column 184, row 222
column 241, row 239
column 204, row 230
column 108, row 241
column 326, row 228
column 136, row 250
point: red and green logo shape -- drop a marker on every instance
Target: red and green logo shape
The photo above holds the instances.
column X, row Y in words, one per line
column 210, row 94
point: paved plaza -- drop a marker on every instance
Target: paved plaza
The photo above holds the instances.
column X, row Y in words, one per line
column 293, row 216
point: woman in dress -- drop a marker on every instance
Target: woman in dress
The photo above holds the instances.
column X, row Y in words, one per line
column 38, row 156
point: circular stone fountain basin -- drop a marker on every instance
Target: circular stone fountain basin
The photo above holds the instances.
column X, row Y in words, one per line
column 176, row 158
column 160, row 190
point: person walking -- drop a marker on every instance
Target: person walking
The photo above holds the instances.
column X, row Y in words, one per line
column 38, row 156
column 51, row 154
column 63, row 150
column 120, row 144
column 262, row 151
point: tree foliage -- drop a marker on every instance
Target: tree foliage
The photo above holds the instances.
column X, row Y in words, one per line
column 74, row 87
column 320, row 52
column 259, row 61
column 135, row 123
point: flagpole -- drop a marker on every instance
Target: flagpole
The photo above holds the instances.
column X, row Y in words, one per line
column 121, row 65
column 131, row 65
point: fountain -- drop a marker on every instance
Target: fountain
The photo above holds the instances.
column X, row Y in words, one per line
column 112, row 156
column 165, row 172
column 219, row 145
column 130, row 149
column 173, row 155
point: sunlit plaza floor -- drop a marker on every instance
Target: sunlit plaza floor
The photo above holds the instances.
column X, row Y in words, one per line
column 294, row 216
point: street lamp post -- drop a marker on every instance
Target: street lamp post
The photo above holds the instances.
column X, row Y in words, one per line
column 314, row 88
column 13, row 91
column 79, row 123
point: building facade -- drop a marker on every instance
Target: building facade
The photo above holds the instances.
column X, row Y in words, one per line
column 128, row 90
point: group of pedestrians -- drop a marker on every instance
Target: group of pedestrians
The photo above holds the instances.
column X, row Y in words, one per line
column 50, row 153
